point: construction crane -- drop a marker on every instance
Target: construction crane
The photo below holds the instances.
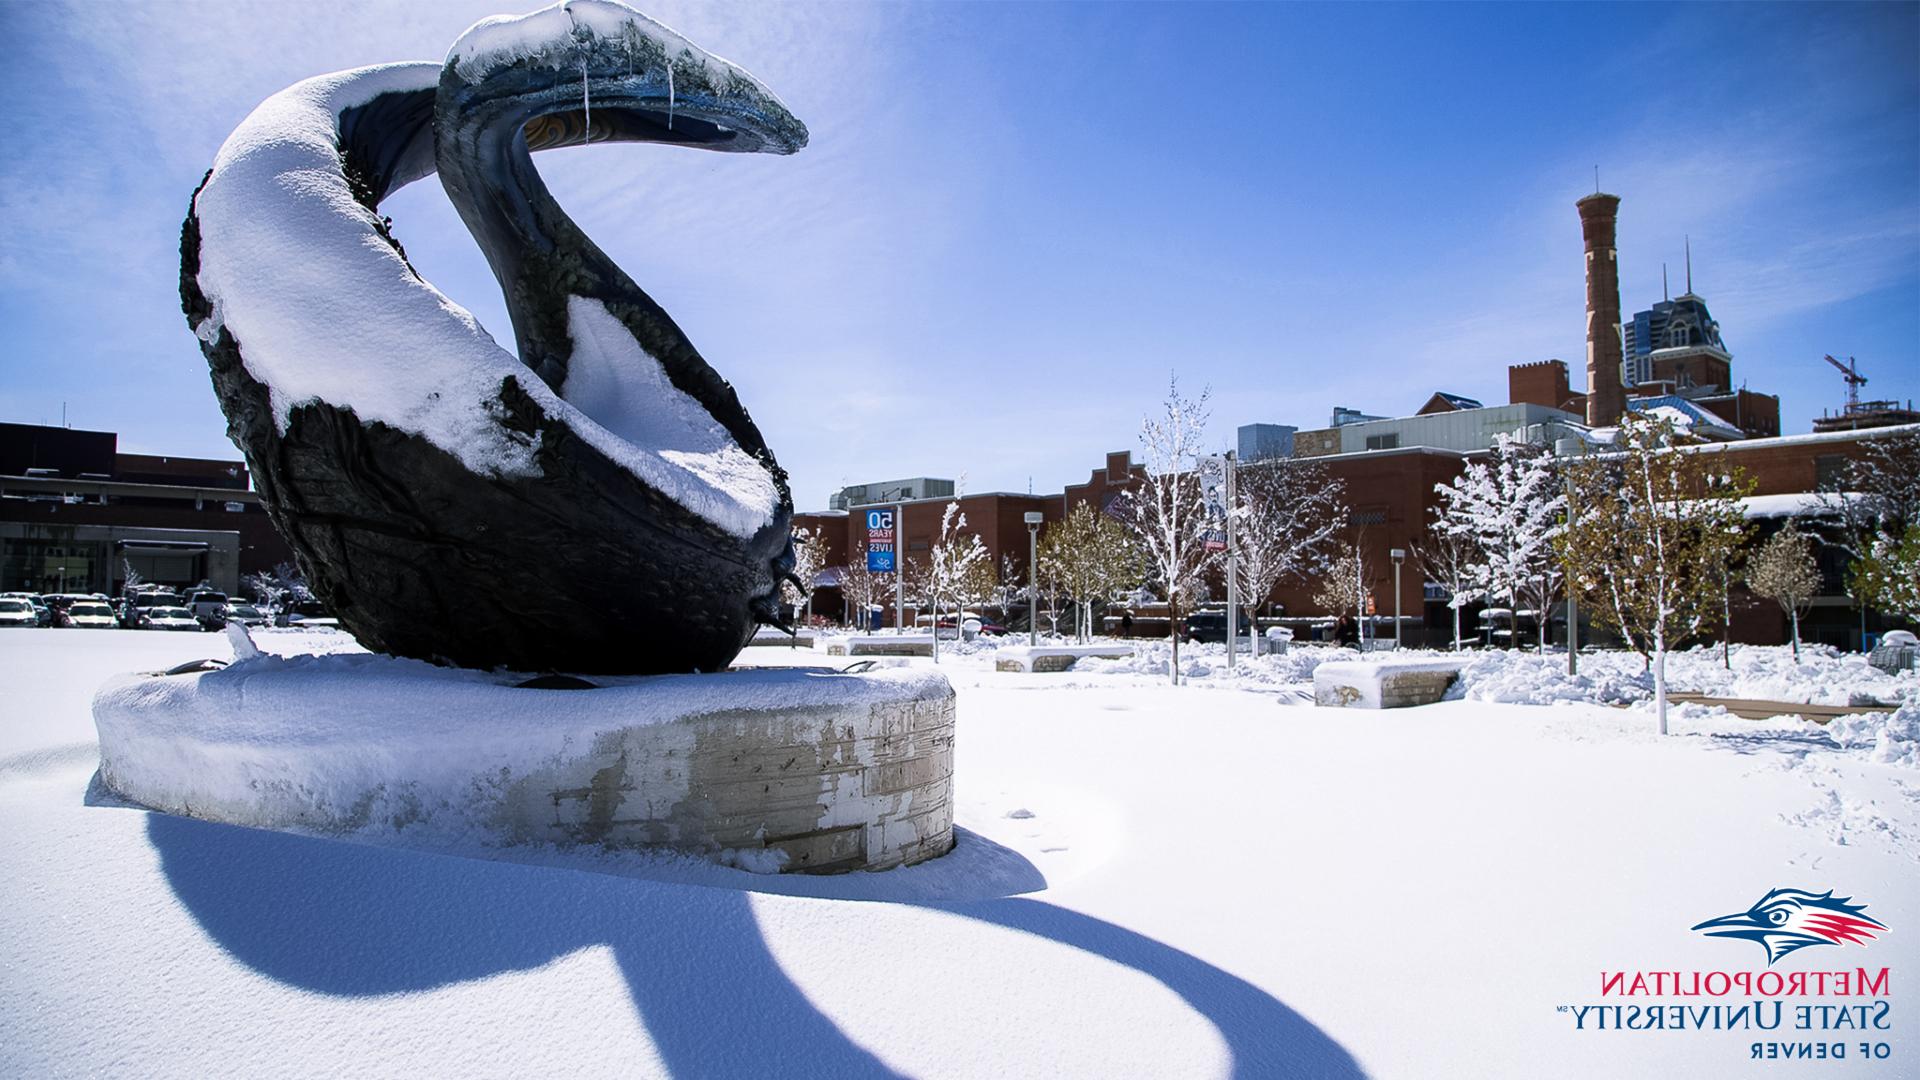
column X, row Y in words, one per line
column 1855, row 381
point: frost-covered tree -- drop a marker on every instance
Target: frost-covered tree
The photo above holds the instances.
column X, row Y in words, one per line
column 1010, row 586
column 958, row 569
column 1784, row 571
column 809, row 558
column 861, row 587
column 279, row 589
column 1163, row 508
column 1051, row 578
column 1288, row 513
column 1871, row 506
column 1511, row 507
column 1449, row 561
column 1887, row 576
column 1876, row 495
column 1652, row 527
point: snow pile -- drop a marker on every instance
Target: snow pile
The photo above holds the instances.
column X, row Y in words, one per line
column 1207, row 664
column 1822, row 676
column 1888, row 738
column 1532, row 679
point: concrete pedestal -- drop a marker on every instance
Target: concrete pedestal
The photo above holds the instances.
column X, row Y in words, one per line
column 791, row 769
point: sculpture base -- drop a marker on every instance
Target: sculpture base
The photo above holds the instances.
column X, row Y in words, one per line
column 807, row 770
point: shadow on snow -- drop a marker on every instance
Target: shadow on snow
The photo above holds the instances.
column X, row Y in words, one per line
column 355, row 920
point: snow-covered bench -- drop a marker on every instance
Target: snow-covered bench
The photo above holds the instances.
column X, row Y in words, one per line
column 1054, row 657
column 1383, row 684
column 883, row 645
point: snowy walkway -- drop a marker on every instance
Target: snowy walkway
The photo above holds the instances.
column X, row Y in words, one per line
column 1154, row 882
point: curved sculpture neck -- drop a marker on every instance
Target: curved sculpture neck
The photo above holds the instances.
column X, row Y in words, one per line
column 539, row 255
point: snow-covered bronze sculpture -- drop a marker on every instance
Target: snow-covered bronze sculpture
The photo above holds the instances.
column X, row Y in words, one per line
column 602, row 502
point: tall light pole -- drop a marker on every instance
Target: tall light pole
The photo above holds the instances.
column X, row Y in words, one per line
column 1233, row 577
column 1399, row 556
column 1033, row 519
column 1566, row 448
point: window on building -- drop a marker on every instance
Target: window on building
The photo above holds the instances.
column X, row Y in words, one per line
column 1679, row 334
column 1383, row 442
column 1376, row 516
column 1828, row 471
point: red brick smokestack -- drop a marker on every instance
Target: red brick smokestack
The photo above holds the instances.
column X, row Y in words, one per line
column 1605, row 399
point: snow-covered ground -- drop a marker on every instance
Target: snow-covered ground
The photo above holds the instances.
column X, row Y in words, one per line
column 1210, row 880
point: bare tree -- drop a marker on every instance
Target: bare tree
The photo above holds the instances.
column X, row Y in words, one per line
column 1288, row 514
column 1163, row 508
column 1784, row 571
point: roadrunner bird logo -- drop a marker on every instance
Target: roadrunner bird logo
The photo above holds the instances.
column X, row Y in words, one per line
column 1788, row 919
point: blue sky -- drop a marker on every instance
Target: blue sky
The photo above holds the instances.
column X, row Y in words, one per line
column 1015, row 220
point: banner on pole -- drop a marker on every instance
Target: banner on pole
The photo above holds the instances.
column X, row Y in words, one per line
column 1213, row 496
column 880, row 541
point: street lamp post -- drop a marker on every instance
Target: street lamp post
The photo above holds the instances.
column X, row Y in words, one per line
column 1399, row 556
column 900, row 568
column 1566, row 448
column 1033, row 519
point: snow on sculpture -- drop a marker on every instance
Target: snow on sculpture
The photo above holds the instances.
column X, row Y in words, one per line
column 600, row 503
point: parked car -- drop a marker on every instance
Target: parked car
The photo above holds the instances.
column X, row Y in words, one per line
column 17, row 612
column 168, row 618
column 245, row 615
column 308, row 613
column 208, row 606
column 1207, row 626
column 89, row 615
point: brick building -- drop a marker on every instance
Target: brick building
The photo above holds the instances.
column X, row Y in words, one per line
column 75, row 513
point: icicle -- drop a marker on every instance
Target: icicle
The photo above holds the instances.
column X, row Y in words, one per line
column 586, row 101
column 669, row 93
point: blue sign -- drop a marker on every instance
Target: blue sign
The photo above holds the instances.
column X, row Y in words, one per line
column 880, row 541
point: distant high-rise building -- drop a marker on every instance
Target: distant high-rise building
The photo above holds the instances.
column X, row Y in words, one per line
column 1680, row 323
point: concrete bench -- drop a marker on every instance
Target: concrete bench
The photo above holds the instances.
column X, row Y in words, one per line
column 801, row 640
column 1044, row 658
column 883, row 645
column 1383, row 684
